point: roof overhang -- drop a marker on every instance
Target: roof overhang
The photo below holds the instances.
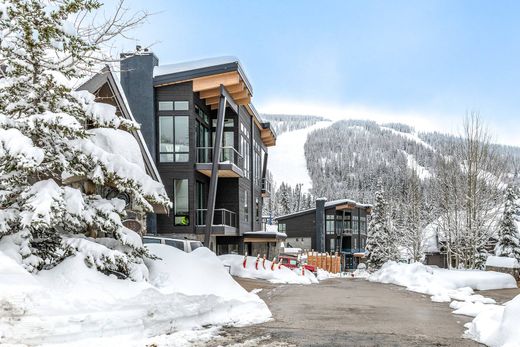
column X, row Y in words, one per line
column 207, row 80
column 267, row 133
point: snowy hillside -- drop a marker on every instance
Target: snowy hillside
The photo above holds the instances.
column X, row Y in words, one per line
column 282, row 123
column 287, row 159
column 347, row 158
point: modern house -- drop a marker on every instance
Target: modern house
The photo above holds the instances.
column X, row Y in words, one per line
column 333, row 226
column 209, row 143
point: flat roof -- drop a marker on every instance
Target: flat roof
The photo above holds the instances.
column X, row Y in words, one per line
column 170, row 73
column 328, row 204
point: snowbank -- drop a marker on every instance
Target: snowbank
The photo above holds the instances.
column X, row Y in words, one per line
column 497, row 325
column 442, row 284
column 75, row 305
column 278, row 275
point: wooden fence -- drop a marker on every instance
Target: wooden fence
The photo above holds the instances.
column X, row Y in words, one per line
column 325, row 261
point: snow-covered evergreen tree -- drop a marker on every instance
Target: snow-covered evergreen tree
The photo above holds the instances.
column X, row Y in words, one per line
column 48, row 163
column 381, row 239
column 509, row 238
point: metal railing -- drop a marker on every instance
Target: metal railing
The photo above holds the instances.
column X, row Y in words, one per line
column 266, row 185
column 227, row 155
column 221, row 217
column 352, row 250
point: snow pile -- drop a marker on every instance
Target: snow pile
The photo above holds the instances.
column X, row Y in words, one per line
column 72, row 304
column 497, row 325
column 277, row 275
column 442, row 284
column 504, row 262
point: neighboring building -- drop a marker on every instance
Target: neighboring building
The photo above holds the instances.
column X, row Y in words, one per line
column 105, row 87
column 335, row 226
column 183, row 109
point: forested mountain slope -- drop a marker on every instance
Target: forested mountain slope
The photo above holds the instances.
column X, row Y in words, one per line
column 349, row 157
column 284, row 123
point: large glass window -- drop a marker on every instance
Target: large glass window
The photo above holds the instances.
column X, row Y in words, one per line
column 181, row 202
column 166, row 139
column 203, row 152
column 201, row 202
column 330, row 225
column 165, row 105
column 244, row 148
column 181, row 105
column 355, row 223
column 282, row 227
column 174, row 139
column 246, row 207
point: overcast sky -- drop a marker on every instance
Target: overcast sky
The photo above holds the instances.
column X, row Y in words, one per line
column 425, row 63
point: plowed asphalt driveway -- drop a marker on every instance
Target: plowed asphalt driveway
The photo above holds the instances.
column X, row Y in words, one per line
column 350, row 312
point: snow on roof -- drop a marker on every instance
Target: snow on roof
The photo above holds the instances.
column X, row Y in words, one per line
column 265, row 233
column 505, row 262
column 118, row 142
column 193, row 65
column 327, row 204
column 346, row 201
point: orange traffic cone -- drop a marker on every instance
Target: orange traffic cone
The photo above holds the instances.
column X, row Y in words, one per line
column 256, row 264
column 263, row 262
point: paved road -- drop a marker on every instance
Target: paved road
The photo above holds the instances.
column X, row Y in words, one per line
column 348, row 312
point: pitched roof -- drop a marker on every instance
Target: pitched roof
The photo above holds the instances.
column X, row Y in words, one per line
column 107, row 76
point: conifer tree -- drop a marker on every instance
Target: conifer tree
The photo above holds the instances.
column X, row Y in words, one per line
column 48, row 163
column 509, row 239
column 381, row 240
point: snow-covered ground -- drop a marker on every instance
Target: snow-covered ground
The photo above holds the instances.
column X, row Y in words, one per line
column 265, row 271
column 73, row 305
column 494, row 325
column 497, row 325
column 443, row 285
column 287, row 160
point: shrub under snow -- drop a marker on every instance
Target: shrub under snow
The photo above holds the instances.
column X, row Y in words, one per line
column 75, row 305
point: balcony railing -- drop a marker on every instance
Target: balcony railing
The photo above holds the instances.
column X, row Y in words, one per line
column 227, row 155
column 266, row 186
column 221, row 217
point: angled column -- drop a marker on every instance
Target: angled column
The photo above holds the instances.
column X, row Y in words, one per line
column 213, row 183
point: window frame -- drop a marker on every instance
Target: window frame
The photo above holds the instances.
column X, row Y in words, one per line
column 184, row 214
column 175, row 154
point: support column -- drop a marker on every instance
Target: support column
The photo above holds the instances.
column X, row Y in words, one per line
column 213, row 183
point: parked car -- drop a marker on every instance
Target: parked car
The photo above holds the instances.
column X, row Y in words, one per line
column 184, row 245
column 292, row 263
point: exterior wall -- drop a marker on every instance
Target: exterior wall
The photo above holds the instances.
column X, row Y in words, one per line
column 437, row 259
column 301, row 226
column 300, row 242
column 172, row 171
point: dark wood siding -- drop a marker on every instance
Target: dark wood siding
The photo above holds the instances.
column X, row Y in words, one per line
column 302, row 225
